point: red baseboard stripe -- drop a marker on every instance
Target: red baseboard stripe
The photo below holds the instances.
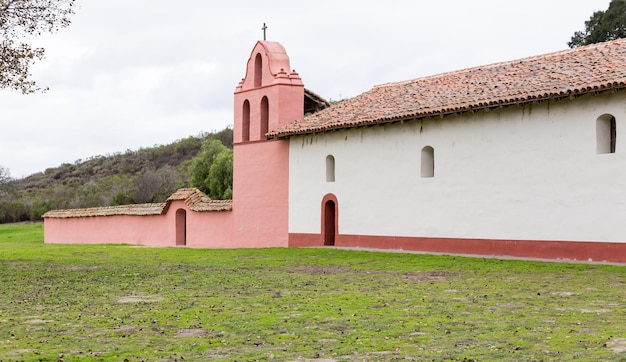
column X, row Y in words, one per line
column 542, row 249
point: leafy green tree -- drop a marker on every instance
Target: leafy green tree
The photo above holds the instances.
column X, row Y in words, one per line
column 117, row 189
column 39, row 207
column 88, row 195
column 221, row 176
column 226, row 136
column 19, row 20
column 184, row 170
column 201, row 164
column 602, row 26
column 13, row 212
column 211, row 170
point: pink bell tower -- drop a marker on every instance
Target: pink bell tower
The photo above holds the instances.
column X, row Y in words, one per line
column 271, row 95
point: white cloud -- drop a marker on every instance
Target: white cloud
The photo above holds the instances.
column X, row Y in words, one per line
column 130, row 74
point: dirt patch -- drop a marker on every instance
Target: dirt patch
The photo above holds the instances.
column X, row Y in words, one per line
column 139, row 299
column 338, row 270
column 39, row 321
column 326, row 340
column 192, row 332
column 370, row 356
column 320, row 270
column 18, row 352
column 596, row 311
column 617, row 345
column 127, row 329
column 427, row 277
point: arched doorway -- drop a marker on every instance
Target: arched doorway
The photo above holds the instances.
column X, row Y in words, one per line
column 181, row 227
column 329, row 220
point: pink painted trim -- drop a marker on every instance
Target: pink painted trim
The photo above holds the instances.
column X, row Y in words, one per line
column 541, row 249
column 265, row 86
column 255, row 141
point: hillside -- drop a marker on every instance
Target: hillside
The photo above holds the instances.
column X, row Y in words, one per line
column 145, row 175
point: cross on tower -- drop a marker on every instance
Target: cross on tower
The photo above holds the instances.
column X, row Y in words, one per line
column 264, row 28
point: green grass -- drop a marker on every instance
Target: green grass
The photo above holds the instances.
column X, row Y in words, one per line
column 105, row 302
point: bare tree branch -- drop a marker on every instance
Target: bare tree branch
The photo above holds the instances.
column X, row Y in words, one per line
column 19, row 20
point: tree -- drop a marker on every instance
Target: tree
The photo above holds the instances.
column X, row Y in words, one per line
column 214, row 156
column 19, row 20
column 5, row 175
column 5, row 182
column 221, row 176
column 156, row 186
column 603, row 26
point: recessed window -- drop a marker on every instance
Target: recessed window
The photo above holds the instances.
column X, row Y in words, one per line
column 428, row 162
column 330, row 168
column 606, row 134
column 258, row 71
column 245, row 122
column 265, row 116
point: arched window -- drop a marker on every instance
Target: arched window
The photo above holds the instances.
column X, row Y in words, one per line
column 330, row 168
column 258, row 71
column 245, row 122
column 606, row 134
column 265, row 116
column 428, row 162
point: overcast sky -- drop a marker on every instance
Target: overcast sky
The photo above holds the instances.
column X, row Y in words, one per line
column 130, row 74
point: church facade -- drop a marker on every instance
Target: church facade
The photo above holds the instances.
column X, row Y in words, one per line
column 521, row 158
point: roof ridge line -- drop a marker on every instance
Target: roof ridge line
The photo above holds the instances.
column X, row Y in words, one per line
column 502, row 63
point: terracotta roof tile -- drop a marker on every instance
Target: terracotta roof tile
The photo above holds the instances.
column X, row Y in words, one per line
column 137, row 210
column 562, row 74
column 213, row 205
column 199, row 201
column 194, row 198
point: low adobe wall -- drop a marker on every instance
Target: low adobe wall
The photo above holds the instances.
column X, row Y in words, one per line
column 153, row 230
column 210, row 230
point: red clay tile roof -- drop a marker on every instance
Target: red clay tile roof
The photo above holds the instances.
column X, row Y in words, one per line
column 137, row 210
column 198, row 201
column 194, row 198
column 567, row 73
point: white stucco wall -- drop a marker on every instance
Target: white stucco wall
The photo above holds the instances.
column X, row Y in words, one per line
column 529, row 173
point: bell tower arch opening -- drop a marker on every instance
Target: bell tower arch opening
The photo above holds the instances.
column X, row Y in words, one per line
column 258, row 70
column 265, row 116
column 245, row 121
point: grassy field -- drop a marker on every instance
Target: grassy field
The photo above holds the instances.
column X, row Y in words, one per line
column 93, row 303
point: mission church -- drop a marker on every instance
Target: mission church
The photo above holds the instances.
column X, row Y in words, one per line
column 520, row 158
